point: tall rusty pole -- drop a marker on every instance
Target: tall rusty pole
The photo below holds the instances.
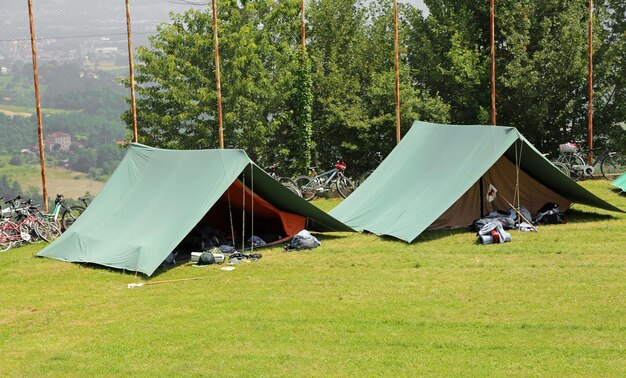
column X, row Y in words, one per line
column 217, row 75
column 42, row 159
column 397, row 68
column 131, row 68
column 590, row 116
column 493, row 60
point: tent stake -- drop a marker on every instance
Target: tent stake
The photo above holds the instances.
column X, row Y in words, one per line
column 132, row 285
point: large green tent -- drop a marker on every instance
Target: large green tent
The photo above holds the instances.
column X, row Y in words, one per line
column 620, row 182
column 156, row 197
column 438, row 175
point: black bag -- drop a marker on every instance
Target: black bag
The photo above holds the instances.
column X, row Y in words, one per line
column 550, row 214
column 548, row 206
column 551, row 217
column 206, row 258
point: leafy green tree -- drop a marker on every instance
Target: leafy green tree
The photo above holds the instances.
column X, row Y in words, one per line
column 83, row 161
column 299, row 143
column 16, row 159
column 176, row 77
column 541, row 65
column 9, row 188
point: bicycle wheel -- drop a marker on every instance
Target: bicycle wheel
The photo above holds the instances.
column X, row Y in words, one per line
column 574, row 163
column 562, row 167
column 364, row 176
column 612, row 166
column 47, row 231
column 290, row 184
column 69, row 217
column 345, row 186
column 307, row 186
column 11, row 231
column 5, row 242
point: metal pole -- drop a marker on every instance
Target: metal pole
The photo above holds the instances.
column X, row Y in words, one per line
column 131, row 68
column 302, row 29
column 38, row 102
column 493, row 61
column 217, row 75
column 590, row 121
column 397, row 68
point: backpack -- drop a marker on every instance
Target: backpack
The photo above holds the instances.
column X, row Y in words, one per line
column 550, row 214
column 551, row 217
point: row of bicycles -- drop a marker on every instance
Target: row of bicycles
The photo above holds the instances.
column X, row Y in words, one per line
column 314, row 184
column 573, row 157
column 23, row 222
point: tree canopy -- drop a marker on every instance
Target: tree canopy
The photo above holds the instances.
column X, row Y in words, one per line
column 541, row 68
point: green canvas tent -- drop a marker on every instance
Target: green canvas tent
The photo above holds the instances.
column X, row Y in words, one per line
column 438, row 175
column 156, row 197
column 620, row 182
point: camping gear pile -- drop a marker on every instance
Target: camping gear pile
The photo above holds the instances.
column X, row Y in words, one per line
column 491, row 228
column 302, row 240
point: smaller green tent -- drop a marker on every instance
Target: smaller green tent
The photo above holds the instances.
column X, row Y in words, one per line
column 156, row 197
column 438, row 175
column 620, row 182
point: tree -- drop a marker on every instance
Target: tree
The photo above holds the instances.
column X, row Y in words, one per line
column 176, row 84
column 541, row 65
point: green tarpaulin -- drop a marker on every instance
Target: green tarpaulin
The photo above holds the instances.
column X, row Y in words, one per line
column 438, row 175
column 620, row 182
column 156, row 197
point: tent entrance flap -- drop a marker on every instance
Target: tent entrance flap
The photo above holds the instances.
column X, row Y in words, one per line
column 510, row 183
column 249, row 210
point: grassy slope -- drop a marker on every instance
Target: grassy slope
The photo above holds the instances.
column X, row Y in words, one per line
column 548, row 303
column 59, row 180
column 29, row 110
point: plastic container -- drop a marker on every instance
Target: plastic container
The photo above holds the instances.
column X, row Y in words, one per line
column 568, row 148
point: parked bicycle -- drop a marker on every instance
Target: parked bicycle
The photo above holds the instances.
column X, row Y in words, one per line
column 23, row 222
column 65, row 215
column 334, row 179
column 286, row 181
column 574, row 157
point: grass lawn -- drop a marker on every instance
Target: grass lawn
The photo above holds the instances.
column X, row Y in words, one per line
column 551, row 303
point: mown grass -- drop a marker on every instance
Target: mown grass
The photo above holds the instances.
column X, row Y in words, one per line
column 550, row 303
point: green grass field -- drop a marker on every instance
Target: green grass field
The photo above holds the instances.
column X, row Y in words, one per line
column 551, row 303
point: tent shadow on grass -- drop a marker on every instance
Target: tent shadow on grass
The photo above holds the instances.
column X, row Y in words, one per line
column 428, row 235
column 577, row 216
column 573, row 216
column 132, row 274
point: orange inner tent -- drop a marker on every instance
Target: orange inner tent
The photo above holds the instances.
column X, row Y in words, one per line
column 251, row 214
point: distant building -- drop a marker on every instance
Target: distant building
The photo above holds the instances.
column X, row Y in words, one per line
column 58, row 138
column 106, row 50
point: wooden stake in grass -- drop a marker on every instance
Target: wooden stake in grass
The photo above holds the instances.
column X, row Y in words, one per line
column 132, row 285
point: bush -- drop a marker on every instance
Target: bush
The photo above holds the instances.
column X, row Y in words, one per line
column 17, row 159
